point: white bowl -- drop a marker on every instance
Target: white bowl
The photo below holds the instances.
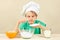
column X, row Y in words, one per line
column 25, row 34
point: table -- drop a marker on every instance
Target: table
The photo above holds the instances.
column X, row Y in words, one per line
column 35, row 37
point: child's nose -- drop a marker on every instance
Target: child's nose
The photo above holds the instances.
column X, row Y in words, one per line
column 31, row 18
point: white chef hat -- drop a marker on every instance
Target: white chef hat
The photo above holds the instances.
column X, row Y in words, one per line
column 31, row 6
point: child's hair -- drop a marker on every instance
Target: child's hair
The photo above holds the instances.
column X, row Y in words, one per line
column 32, row 12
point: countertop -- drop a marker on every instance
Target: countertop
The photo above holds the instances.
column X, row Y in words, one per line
column 34, row 37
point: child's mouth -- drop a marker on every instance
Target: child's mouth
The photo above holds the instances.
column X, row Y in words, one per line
column 31, row 22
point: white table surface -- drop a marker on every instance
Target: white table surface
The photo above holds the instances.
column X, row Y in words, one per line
column 35, row 37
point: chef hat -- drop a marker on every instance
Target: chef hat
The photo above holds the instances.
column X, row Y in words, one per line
column 31, row 6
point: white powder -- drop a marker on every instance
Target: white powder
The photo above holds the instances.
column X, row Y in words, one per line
column 25, row 34
column 34, row 24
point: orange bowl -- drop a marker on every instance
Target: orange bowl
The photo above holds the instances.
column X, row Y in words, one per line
column 11, row 34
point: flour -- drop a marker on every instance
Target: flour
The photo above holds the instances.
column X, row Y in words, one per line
column 34, row 24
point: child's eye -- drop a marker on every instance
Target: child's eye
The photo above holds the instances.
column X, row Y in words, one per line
column 32, row 16
column 28, row 16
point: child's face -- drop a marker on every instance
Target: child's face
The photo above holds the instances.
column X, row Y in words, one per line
column 31, row 16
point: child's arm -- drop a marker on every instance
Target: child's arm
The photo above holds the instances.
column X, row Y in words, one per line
column 39, row 26
column 43, row 28
column 16, row 28
column 18, row 22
